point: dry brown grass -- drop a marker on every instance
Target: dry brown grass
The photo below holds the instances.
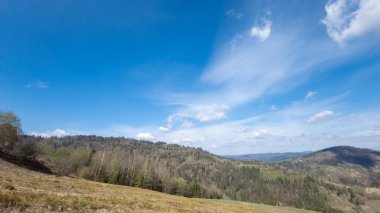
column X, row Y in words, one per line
column 28, row 191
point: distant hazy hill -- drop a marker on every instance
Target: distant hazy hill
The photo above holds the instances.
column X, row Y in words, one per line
column 367, row 158
column 268, row 157
column 342, row 164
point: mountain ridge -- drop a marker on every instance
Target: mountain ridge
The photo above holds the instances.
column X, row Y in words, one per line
column 367, row 158
column 268, row 157
column 341, row 164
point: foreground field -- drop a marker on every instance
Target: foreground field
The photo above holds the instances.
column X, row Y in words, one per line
column 29, row 191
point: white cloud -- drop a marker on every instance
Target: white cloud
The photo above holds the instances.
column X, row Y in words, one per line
column 262, row 32
column 145, row 136
column 273, row 108
column 282, row 131
column 211, row 112
column 163, row 129
column 54, row 133
column 319, row 116
column 346, row 19
column 261, row 134
column 310, row 94
column 285, row 130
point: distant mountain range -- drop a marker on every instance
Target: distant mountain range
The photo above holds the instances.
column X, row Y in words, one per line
column 268, row 157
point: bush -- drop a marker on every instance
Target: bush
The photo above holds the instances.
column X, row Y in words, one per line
column 26, row 151
column 70, row 160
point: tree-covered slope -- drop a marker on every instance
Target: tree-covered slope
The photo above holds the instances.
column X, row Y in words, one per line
column 350, row 176
column 342, row 164
column 178, row 170
column 24, row 190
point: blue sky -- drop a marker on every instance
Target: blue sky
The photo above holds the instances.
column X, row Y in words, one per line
column 232, row 77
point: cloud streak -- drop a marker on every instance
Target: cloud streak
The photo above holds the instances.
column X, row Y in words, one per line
column 310, row 94
column 38, row 85
column 320, row 116
column 233, row 14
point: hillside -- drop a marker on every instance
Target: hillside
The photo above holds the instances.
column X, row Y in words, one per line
column 174, row 169
column 30, row 191
column 367, row 158
column 311, row 182
column 342, row 164
column 268, row 157
column 349, row 175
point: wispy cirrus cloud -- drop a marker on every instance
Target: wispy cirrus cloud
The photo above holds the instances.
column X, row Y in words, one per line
column 252, row 70
column 310, row 94
column 38, row 85
column 274, row 108
column 255, row 69
column 211, row 112
column 320, row 116
column 232, row 13
column 248, row 70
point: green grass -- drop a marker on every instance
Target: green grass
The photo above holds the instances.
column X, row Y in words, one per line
column 24, row 190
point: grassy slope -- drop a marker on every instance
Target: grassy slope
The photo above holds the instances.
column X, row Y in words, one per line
column 22, row 189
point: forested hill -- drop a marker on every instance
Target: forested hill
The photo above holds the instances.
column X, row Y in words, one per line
column 367, row 158
column 179, row 170
column 342, row 164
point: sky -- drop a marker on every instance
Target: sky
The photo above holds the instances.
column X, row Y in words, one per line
column 231, row 77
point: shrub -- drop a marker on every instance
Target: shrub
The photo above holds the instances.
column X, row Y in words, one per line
column 26, row 150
